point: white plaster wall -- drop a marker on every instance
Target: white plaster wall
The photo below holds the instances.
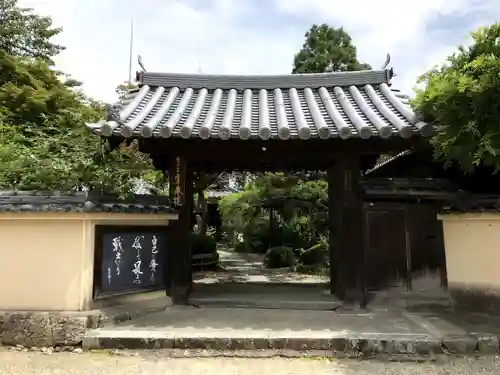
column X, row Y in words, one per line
column 472, row 246
column 47, row 259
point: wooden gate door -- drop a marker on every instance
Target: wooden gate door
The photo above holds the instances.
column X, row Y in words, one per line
column 387, row 253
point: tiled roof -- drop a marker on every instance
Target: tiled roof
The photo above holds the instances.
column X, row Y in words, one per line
column 330, row 105
column 25, row 201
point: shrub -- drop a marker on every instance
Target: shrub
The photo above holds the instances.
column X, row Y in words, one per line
column 258, row 237
column 315, row 255
column 202, row 244
column 279, row 256
column 290, row 237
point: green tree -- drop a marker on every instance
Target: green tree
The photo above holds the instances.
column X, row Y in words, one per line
column 24, row 33
column 461, row 98
column 327, row 49
column 44, row 142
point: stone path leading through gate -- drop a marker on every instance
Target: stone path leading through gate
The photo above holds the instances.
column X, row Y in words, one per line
column 243, row 281
column 249, row 268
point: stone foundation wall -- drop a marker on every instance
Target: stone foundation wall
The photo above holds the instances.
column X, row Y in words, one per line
column 42, row 329
column 62, row 329
column 474, row 299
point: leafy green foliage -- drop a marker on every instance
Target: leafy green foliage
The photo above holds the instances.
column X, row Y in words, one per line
column 23, row 33
column 44, row 142
column 327, row 49
column 298, row 209
column 461, row 98
column 279, row 257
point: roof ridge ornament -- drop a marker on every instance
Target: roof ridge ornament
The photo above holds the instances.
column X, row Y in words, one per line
column 141, row 64
column 386, row 62
column 113, row 113
column 389, row 71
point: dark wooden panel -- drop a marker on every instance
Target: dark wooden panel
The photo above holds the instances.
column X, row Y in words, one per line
column 386, row 251
column 128, row 258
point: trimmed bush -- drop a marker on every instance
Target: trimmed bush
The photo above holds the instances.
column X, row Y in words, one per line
column 202, row 244
column 258, row 237
column 279, row 257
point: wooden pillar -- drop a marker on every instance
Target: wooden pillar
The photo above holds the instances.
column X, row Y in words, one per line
column 180, row 259
column 347, row 230
column 172, row 230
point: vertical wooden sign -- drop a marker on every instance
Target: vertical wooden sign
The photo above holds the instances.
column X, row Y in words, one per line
column 178, row 192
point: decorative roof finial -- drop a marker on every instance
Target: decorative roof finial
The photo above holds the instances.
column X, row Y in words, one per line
column 141, row 64
column 387, row 61
column 113, row 113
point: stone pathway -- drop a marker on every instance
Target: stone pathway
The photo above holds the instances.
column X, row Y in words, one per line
column 248, row 268
column 244, row 282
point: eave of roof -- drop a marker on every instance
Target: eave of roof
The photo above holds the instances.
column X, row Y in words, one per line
column 304, row 106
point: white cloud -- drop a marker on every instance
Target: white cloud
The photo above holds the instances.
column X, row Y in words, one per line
column 248, row 36
column 395, row 27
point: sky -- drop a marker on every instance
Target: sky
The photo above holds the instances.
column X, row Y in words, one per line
column 251, row 36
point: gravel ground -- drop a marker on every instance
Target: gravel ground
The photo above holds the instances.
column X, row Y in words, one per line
column 34, row 363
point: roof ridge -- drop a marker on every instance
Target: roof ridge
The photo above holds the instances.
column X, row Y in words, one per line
column 268, row 81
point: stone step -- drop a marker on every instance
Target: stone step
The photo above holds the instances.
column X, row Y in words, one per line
column 260, row 303
column 328, row 342
column 259, row 287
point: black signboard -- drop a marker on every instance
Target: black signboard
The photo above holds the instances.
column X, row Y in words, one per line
column 129, row 258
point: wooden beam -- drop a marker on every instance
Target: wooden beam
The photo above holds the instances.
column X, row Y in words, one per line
column 220, row 151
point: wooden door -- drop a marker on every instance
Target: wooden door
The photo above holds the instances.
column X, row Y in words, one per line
column 387, row 262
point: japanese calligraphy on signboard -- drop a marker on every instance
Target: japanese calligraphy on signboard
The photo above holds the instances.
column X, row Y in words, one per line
column 177, row 179
column 131, row 260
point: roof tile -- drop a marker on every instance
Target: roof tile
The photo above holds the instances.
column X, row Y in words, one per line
column 304, row 106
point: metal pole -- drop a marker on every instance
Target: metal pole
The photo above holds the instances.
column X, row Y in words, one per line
column 131, row 50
